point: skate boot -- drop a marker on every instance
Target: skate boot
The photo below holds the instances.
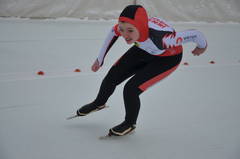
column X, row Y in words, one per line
column 89, row 108
column 122, row 129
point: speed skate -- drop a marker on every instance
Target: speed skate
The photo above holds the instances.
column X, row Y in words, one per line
column 112, row 136
column 81, row 115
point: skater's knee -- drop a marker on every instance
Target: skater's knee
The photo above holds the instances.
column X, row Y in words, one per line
column 131, row 90
column 108, row 81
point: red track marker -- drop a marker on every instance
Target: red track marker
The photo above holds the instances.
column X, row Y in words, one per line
column 41, row 73
column 77, row 70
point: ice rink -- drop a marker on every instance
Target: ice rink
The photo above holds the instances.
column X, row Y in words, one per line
column 193, row 114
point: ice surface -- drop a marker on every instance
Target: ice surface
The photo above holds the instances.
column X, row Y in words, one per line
column 193, row 114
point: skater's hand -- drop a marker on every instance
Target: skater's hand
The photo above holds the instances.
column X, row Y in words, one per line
column 95, row 66
column 198, row 51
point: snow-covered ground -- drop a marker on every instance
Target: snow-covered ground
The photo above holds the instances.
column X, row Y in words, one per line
column 193, row 114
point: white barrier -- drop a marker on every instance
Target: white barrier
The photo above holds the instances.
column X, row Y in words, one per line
column 173, row 10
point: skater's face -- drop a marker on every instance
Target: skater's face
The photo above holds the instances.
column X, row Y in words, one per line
column 129, row 32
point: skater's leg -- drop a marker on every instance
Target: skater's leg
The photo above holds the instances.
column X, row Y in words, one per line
column 125, row 67
column 143, row 79
column 132, row 102
column 152, row 73
column 128, row 64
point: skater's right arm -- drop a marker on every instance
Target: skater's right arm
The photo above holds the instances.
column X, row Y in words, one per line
column 109, row 41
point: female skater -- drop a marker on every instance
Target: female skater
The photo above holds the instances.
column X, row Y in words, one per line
column 156, row 53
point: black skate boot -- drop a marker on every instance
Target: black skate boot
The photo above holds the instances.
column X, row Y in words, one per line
column 89, row 108
column 122, row 129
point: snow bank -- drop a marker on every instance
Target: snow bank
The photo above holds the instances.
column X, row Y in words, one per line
column 173, row 10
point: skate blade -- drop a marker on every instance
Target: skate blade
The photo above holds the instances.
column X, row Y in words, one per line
column 75, row 116
column 105, row 137
column 72, row 117
column 109, row 136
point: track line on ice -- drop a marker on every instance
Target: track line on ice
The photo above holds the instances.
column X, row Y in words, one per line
column 44, row 40
column 208, row 66
column 58, row 74
column 28, row 76
column 8, row 107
